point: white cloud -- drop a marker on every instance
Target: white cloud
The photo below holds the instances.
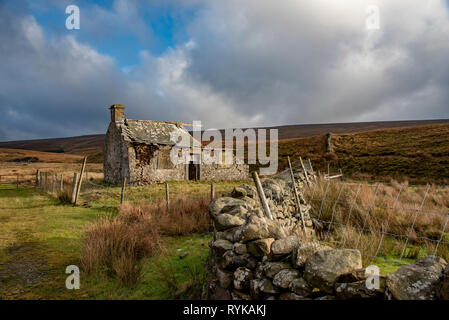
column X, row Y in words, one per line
column 246, row 63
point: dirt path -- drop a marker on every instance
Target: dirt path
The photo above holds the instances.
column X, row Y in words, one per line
column 23, row 269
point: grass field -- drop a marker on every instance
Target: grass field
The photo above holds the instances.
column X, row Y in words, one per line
column 40, row 237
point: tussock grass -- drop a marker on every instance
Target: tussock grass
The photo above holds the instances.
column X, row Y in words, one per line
column 64, row 196
column 360, row 223
column 118, row 244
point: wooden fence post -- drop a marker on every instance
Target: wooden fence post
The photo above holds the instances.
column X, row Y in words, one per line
column 17, row 182
column 53, row 183
column 212, row 192
column 46, row 182
column 75, row 178
column 311, row 169
column 298, row 202
column 167, row 195
column 62, row 182
column 78, row 189
column 37, row 177
column 122, row 196
column 305, row 171
column 261, row 194
column 41, row 179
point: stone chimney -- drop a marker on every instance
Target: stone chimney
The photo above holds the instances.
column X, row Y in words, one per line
column 117, row 112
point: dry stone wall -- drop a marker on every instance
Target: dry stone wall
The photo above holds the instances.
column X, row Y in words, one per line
column 255, row 258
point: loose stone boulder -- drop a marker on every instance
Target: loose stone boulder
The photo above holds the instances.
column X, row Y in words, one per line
column 225, row 221
column 304, row 250
column 242, row 278
column 291, row 296
column 353, row 276
column 324, row 267
column 225, row 278
column 419, row 281
column 259, row 228
column 237, row 295
column 359, row 290
column 228, row 234
column 216, row 292
column 262, row 286
column 275, row 189
column 270, row 269
column 240, row 248
column 221, row 246
column 300, row 287
column 231, row 261
column 283, row 278
column 226, row 205
column 284, row 246
column 260, row 248
column 244, row 190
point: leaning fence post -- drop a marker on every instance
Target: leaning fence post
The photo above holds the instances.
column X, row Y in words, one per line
column 78, row 189
column 298, row 202
column 261, row 194
column 75, row 178
column 122, row 195
column 167, row 195
column 304, row 169
column 212, row 192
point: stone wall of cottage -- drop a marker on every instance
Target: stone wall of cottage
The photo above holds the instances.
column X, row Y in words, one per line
column 154, row 166
column 115, row 156
column 217, row 172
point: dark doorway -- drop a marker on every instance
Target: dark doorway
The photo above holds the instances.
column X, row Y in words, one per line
column 193, row 171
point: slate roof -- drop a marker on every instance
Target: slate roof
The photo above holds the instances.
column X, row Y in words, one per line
column 154, row 132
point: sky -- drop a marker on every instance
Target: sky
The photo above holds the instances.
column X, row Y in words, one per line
column 227, row 63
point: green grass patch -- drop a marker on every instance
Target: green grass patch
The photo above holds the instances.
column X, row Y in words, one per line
column 40, row 234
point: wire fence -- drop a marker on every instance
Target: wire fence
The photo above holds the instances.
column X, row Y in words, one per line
column 394, row 222
column 88, row 188
column 16, row 180
column 390, row 221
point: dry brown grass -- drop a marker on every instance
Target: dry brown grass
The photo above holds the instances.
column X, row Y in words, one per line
column 65, row 196
column 119, row 243
column 19, row 155
column 184, row 216
column 417, row 154
column 360, row 224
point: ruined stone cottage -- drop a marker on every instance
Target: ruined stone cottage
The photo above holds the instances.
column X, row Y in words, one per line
column 139, row 150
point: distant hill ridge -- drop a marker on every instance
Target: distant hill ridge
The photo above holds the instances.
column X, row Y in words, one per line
column 93, row 144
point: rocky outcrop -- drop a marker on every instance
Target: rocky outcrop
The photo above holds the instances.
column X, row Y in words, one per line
column 324, row 267
column 419, row 281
